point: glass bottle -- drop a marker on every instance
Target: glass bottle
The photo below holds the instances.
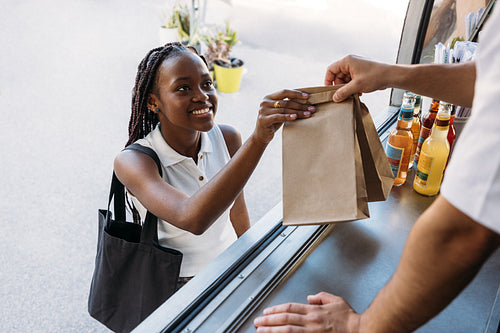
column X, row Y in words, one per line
column 426, row 127
column 434, row 154
column 452, row 132
column 415, row 128
column 398, row 148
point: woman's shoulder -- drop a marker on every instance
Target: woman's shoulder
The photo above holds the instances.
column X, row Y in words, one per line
column 131, row 164
column 131, row 161
column 232, row 137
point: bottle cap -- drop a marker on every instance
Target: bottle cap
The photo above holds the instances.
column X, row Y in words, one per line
column 418, row 100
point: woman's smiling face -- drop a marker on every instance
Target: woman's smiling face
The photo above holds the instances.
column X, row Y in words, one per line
column 184, row 93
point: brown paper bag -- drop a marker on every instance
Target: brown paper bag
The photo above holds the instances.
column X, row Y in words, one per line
column 333, row 162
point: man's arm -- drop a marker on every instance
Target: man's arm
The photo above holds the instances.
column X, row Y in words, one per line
column 444, row 251
column 453, row 83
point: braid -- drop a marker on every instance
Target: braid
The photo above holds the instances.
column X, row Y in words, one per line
column 142, row 121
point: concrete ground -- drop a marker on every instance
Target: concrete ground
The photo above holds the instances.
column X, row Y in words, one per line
column 66, row 73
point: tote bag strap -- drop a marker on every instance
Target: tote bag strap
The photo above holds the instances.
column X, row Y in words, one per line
column 149, row 232
column 148, row 151
column 117, row 190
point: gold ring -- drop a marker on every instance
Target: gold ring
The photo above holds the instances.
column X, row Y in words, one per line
column 277, row 104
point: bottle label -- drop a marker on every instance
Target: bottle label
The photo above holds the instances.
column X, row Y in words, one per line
column 442, row 123
column 424, row 134
column 406, row 114
column 424, row 169
column 394, row 155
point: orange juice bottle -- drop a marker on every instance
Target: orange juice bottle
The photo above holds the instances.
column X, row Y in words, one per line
column 434, row 154
column 400, row 141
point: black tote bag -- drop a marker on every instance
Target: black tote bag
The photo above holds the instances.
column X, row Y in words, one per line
column 133, row 274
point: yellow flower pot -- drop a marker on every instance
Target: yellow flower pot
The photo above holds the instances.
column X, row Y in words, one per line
column 228, row 79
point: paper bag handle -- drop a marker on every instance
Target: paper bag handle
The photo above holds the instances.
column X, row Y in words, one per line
column 319, row 95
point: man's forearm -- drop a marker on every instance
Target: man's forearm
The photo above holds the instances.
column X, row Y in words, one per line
column 444, row 251
column 453, row 83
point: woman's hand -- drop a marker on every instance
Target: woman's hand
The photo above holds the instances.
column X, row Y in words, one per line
column 277, row 108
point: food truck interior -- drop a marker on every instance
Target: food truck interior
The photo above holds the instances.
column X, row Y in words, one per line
column 273, row 264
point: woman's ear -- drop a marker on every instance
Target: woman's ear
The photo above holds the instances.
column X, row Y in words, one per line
column 153, row 103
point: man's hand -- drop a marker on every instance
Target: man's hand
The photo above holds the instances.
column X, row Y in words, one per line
column 359, row 74
column 453, row 83
column 325, row 313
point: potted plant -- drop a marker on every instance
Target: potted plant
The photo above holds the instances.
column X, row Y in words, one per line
column 183, row 19
column 169, row 30
column 227, row 69
column 177, row 27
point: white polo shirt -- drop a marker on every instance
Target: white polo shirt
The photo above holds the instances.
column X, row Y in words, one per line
column 184, row 174
column 472, row 179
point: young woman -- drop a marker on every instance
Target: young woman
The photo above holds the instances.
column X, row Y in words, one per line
column 199, row 201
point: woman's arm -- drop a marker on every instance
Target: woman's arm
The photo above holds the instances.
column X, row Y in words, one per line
column 196, row 213
column 238, row 213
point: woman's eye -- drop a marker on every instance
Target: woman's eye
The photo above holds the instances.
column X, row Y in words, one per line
column 183, row 88
column 209, row 84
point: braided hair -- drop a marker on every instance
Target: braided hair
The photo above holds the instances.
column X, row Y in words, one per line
column 142, row 120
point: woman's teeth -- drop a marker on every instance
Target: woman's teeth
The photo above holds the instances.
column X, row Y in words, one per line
column 201, row 111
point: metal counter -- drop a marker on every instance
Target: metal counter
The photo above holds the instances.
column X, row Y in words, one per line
column 272, row 264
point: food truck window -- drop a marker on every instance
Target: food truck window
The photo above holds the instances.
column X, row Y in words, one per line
column 451, row 20
column 430, row 22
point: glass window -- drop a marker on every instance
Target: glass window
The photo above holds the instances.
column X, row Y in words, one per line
column 450, row 19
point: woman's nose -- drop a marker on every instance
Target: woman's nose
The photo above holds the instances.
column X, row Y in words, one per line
column 200, row 95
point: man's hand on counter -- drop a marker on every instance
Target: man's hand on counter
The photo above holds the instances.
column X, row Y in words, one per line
column 324, row 313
